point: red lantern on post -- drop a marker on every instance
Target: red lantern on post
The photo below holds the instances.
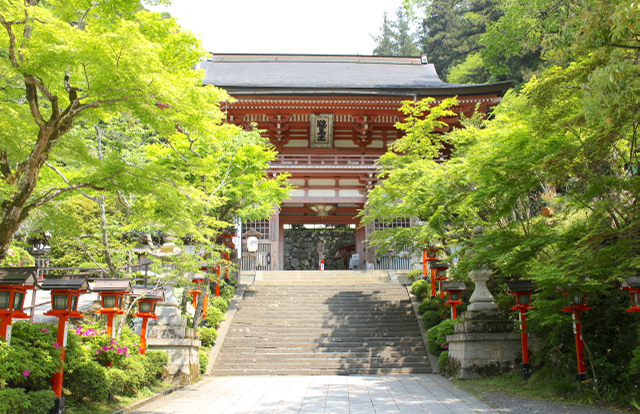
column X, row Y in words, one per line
column 454, row 292
column 227, row 240
column 147, row 300
column 438, row 273
column 632, row 284
column 112, row 293
column 428, row 255
column 521, row 292
column 576, row 307
column 65, row 292
column 198, row 279
column 14, row 283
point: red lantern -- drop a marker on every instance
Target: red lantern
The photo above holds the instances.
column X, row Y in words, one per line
column 521, row 292
column 632, row 284
column 227, row 240
column 147, row 300
column 14, row 283
column 454, row 293
column 438, row 273
column 112, row 293
column 428, row 255
column 198, row 278
column 65, row 292
column 576, row 307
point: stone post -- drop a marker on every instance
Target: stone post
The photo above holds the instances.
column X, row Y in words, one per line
column 170, row 333
column 483, row 343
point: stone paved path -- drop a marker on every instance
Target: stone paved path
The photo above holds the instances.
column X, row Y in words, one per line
column 357, row 394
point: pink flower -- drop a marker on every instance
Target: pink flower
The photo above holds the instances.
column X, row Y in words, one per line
column 57, row 345
column 104, row 348
column 26, row 372
column 46, row 330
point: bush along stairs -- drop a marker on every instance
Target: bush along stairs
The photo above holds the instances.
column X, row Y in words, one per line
column 319, row 328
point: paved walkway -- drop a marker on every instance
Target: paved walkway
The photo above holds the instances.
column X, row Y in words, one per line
column 358, row 394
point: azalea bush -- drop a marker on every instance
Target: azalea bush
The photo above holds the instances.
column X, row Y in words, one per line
column 26, row 368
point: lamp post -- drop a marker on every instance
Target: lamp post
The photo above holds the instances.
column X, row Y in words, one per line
column 14, row 283
column 65, row 292
column 454, row 291
column 576, row 307
column 147, row 300
column 521, row 292
column 438, row 273
column 227, row 240
column 198, row 279
column 252, row 242
column 428, row 255
column 632, row 284
column 112, row 292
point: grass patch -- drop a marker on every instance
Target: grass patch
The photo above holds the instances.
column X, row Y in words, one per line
column 87, row 407
column 538, row 387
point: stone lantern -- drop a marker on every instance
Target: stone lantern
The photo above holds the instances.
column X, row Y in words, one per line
column 14, row 283
column 112, row 293
column 521, row 292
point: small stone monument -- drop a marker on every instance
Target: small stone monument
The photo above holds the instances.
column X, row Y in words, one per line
column 484, row 342
column 170, row 333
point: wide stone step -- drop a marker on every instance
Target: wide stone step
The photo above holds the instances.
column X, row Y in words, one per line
column 315, row 371
column 314, row 329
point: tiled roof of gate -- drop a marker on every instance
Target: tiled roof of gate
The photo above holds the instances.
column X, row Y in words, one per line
column 322, row 74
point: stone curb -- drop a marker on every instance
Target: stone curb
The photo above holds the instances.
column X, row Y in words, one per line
column 433, row 360
column 138, row 404
column 224, row 327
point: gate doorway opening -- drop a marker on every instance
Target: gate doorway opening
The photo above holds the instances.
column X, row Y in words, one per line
column 301, row 246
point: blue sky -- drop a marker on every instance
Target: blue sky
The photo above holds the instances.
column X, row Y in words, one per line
column 284, row 26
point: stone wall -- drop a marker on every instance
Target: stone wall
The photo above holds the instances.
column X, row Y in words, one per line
column 301, row 248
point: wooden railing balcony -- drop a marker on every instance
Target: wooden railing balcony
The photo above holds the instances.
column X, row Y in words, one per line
column 339, row 161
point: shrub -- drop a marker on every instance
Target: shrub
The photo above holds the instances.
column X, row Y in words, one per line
column 207, row 336
column 420, row 288
column 18, row 401
column 88, row 379
column 430, row 318
column 135, row 369
column 414, row 275
column 154, row 362
column 219, row 302
column 203, row 358
column 17, row 257
column 227, row 292
column 443, row 361
column 32, row 358
column 437, row 336
column 120, row 383
column 429, row 304
column 214, row 317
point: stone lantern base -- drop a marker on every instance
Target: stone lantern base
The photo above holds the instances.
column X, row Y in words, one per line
column 483, row 344
column 170, row 333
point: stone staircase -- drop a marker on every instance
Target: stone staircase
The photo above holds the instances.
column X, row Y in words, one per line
column 360, row 325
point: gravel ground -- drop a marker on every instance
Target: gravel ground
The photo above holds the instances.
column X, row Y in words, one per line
column 506, row 403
